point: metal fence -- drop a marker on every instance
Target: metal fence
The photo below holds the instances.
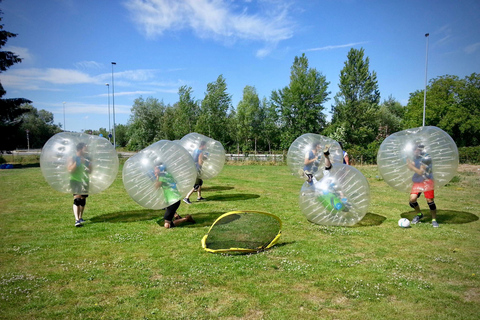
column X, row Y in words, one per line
column 240, row 157
column 255, row 157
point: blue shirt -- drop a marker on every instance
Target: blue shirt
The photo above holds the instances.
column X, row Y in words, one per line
column 311, row 156
column 421, row 177
column 196, row 155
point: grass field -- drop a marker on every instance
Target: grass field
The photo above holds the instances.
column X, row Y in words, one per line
column 124, row 265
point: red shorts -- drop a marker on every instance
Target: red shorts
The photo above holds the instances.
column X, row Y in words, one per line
column 426, row 187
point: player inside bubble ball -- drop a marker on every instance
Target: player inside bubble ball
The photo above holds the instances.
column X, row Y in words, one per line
column 330, row 196
column 79, row 166
column 423, row 181
column 312, row 161
column 167, row 183
column 199, row 156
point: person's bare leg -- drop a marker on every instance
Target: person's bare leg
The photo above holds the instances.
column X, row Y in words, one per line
column 178, row 222
column 413, row 200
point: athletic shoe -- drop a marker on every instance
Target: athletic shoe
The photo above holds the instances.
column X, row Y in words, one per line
column 417, row 218
column 326, row 150
column 187, row 201
column 200, row 199
column 81, row 220
column 302, row 174
column 435, row 224
column 78, row 223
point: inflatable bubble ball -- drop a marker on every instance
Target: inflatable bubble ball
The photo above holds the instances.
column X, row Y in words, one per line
column 310, row 146
column 213, row 155
column 340, row 198
column 430, row 147
column 79, row 163
column 159, row 175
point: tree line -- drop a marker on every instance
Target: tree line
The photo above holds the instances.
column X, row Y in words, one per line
column 359, row 119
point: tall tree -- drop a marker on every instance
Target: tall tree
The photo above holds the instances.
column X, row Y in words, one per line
column 214, row 111
column 357, row 101
column 390, row 117
column 301, row 104
column 249, row 119
column 167, row 131
column 39, row 125
column 144, row 126
column 10, row 109
column 270, row 126
column 186, row 113
column 453, row 105
column 121, row 135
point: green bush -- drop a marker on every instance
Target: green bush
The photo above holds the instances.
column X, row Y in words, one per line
column 362, row 155
column 469, row 155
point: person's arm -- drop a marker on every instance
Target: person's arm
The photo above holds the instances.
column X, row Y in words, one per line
column 411, row 166
column 158, row 183
column 200, row 159
column 72, row 164
column 308, row 161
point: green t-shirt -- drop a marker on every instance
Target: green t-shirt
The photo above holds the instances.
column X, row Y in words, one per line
column 169, row 187
column 81, row 173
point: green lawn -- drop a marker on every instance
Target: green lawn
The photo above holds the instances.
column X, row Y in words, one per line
column 124, row 265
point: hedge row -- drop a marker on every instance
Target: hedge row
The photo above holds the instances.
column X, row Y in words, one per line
column 359, row 155
column 469, row 155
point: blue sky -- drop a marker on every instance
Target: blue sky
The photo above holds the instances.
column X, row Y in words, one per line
column 67, row 48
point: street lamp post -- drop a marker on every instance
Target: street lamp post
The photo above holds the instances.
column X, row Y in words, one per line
column 113, row 106
column 425, row 91
column 28, row 140
column 109, row 127
column 64, row 129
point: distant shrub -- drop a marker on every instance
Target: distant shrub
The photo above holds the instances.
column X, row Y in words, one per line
column 362, row 155
column 469, row 155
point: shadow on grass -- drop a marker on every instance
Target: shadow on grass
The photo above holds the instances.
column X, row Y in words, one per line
column 444, row 216
column 237, row 253
column 129, row 216
column 217, row 188
column 370, row 219
column 204, row 219
column 232, row 197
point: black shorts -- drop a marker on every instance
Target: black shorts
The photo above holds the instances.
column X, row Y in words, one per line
column 79, row 188
column 170, row 211
column 198, row 184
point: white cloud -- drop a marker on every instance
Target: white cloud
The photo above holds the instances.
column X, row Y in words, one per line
column 63, row 76
column 40, row 79
column 22, row 52
column 75, row 107
column 213, row 19
column 89, row 65
column 445, row 34
column 133, row 93
column 337, row 46
column 137, row 75
column 472, row 48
